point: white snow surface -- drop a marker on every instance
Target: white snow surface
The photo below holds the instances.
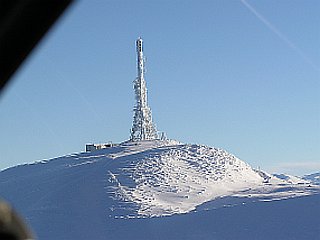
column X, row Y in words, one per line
column 292, row 179
column 123, row 192
column 171, row 178
column 313, row 178
column 177, row 178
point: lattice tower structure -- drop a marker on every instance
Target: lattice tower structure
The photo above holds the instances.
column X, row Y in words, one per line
column 142, row 128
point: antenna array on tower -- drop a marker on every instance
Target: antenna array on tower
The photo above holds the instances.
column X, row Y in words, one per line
column 142, row 127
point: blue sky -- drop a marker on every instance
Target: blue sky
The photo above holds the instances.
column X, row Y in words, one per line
column 238, row 75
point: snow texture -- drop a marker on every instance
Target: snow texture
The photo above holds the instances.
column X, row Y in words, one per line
column 159, row 190
column 313, row 178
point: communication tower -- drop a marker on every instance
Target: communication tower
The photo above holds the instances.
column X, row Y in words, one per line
column 142, row 127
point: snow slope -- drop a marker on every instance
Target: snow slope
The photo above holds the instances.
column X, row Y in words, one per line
column 119, row 191
column 177, row 178
column 313, row 178
column 291, row 179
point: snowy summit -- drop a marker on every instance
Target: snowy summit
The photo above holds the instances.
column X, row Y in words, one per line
column 150, row 178
column 165, row 177
column 87, row 195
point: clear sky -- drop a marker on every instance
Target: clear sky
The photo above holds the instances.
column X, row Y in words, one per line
column 238, row 75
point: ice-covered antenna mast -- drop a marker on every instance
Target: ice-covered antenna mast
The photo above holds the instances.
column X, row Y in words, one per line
column 140, row 58
column 142, row 127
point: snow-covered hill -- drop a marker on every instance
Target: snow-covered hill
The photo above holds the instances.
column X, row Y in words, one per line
column 313, row 178
column 176, row 178
column 291, row 179
column 112, row 191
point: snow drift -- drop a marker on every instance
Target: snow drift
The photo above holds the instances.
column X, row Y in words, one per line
column 177, row 178
column 82, row 196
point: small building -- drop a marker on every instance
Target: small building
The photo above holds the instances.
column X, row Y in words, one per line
column 91, row 147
